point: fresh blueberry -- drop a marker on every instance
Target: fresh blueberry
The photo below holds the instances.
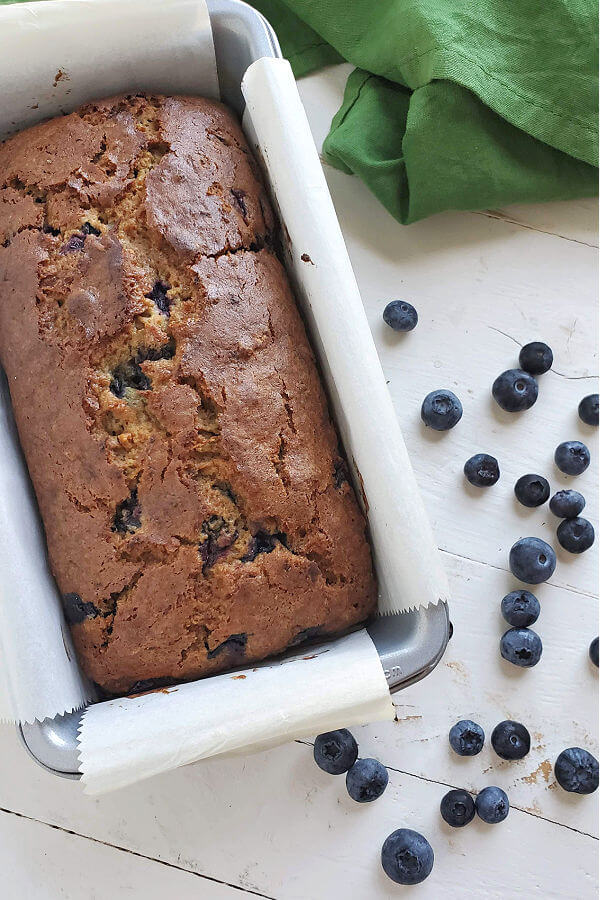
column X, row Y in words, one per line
column 532, row 560
column 511, row 740
column 593, row 651
column 400, row 315
column 532, row 490
column 466, row 738
column 515, row 390
column 366, row 780
column 335, row 751
column 457, row 808
column 521, row 647
column 520, row 608
column 406, row 856
column 492, row 805
column 536, row 358
column 482, row 470
column 567, row 504
column 588, row 409
column 575, row 535
column 572, row 457
column 576, row 771
column 441, row 410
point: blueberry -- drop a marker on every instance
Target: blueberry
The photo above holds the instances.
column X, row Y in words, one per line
column 441, row 410
column 159, row 296
column 263, row 542
column 536, row 358
column 593, row 651
column 77, row 610
column 511, row 740
column 147, row 684
column 406, row 856
column 572, row 457
column 366, row 780
column 235, row 645
column 128, row 514
column 492, row 805
column 532, row 560
column 74, row 244
column 482, row 470
column 588, row 409
column 130, row 375
column 521, row 647
column 335, row 751
column 340, row 473
column 307, row 634
column 575, row 535
column 567, row 504
column 238, row 196
column 466, row 738
column 457, row 808
column 532, row 490
column 515, row 390
column 520, row 608
column 400, row 315
column 576, row 771
column 217, row 537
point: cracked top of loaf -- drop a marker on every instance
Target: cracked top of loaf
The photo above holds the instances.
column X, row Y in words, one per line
column 196, row 504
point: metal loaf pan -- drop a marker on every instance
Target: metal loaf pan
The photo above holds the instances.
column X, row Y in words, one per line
column 409, row 644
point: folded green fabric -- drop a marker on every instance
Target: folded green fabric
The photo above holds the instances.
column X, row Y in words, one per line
column 456, row 104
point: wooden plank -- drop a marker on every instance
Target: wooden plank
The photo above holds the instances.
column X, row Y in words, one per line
column 482, row 288
column 277, row 823
column 41, row 862
column 557, row 700
column 297, row 835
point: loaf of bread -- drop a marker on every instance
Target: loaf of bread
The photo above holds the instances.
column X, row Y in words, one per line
column 196, row 504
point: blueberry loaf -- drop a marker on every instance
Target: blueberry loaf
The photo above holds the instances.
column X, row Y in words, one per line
column 196, row 505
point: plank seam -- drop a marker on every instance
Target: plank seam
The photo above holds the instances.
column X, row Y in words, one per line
column 456, row 787
column 554, row 371
column 555, row 584
column 501, row 217
column 161, row 862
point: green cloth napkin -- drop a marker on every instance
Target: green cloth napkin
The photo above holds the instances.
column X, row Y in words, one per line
column 455, row 104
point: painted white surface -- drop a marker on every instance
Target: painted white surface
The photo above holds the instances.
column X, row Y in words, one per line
column 275, row 825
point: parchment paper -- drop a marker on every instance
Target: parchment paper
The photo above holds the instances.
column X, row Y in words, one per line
column 408, row 564
column 333, row 686
column 57, row 54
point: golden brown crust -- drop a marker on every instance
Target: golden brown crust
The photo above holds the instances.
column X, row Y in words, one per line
column 168, row 403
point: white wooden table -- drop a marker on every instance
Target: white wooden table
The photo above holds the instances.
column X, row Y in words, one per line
column 273, row 825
